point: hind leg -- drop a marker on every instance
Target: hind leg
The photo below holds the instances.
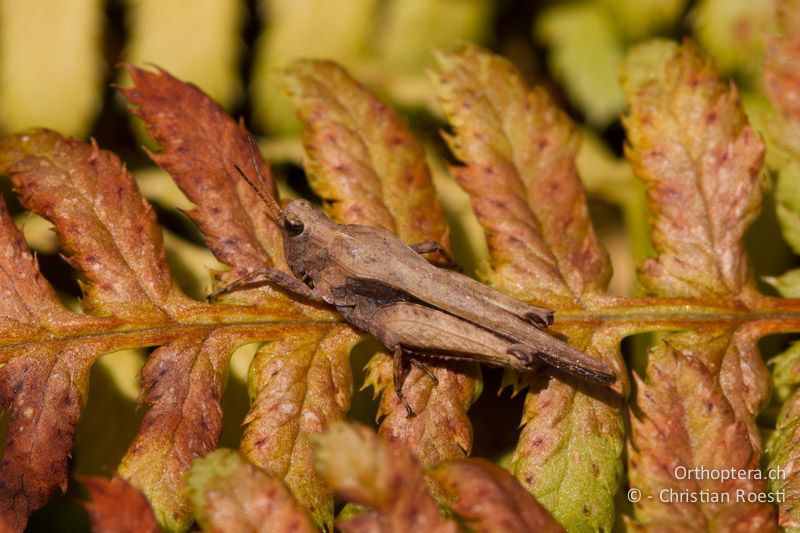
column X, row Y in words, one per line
column 398, row 377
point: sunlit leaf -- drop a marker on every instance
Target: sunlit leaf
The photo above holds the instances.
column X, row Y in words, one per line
column 519, row 152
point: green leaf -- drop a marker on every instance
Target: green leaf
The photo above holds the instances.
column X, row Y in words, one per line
column 410, row 29
column 787, row 198
column 51, row 65
column 584, row 51
column 787, row 284
column 786, row 370
column 733, row 32
column 783, row 454
column 158, row 32
column 638, row 20
column 294, row 30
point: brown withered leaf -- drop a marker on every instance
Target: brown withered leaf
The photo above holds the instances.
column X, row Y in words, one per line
column 200, row 147
column 115, row 506
column 519, row 152
column 50, row 360
column 306, row 389
column 489, row 499
column 110, row 235
column 43, row 384
column 229, row 494
column 363, row 161
column 387, row 478
column 686, row 434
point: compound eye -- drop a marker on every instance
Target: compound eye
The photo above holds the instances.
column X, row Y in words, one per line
column 293, row 227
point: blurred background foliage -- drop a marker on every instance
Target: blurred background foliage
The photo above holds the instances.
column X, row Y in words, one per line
column 59, row 59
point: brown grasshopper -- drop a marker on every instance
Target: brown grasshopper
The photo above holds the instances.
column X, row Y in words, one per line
column 384, row 287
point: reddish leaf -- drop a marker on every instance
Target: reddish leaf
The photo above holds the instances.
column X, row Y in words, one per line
column 201, row 145
column 700, row 159
column 686, row 422
column 363, row 469
column 43, row 380
column 298, row 385
column 231, row 495
column 183, row 384
column 106, row 226
column 440, row 428
column 361, row 156
column 519, row 152
column 112, row 237
column 490, row 499
column 115, row 506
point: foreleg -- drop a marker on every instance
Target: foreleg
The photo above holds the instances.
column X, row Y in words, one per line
column 265, row 276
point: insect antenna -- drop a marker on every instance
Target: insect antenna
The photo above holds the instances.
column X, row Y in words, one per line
column 272, row 206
